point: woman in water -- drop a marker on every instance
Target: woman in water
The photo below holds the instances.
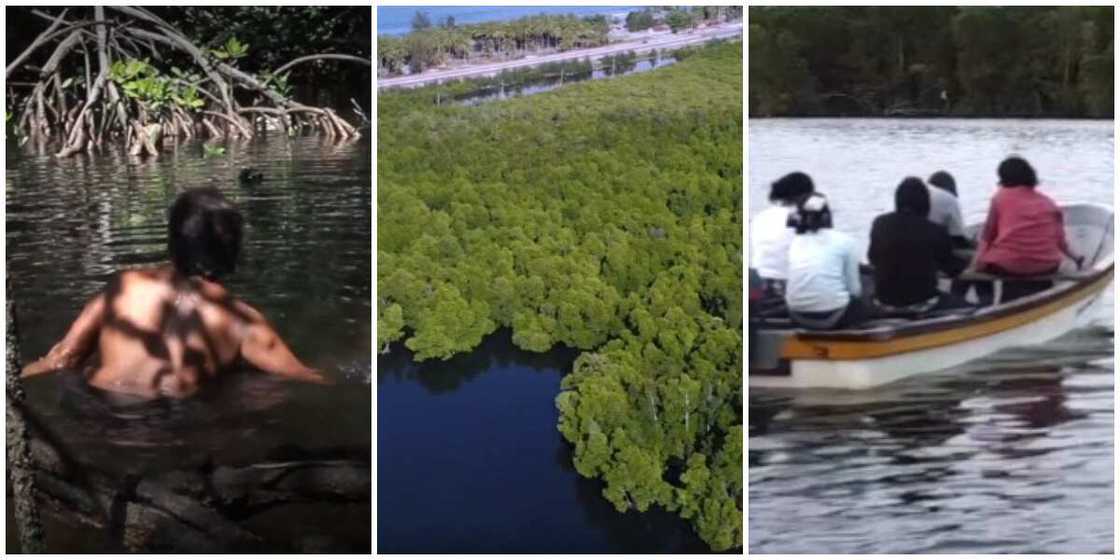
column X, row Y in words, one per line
column 165, row 331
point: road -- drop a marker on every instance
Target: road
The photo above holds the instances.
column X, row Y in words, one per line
column 664, row 40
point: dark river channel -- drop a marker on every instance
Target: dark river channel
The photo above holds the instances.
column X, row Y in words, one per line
column 1008, row 454
column 605, row 68
column 470, row 461
column 305, row 264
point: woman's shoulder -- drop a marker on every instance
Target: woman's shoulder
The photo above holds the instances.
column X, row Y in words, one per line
column 773, row 212
column 839, row 238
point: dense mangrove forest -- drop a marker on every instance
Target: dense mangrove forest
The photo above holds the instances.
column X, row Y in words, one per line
column 944, row 60
column 604, row 216
column 83, row 78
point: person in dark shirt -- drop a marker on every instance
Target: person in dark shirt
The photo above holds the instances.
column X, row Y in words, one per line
column 907, row 250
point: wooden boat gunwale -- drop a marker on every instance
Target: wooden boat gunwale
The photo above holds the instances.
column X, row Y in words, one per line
column 935, row 332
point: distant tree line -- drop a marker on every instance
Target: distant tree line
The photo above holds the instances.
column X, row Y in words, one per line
column 966, row 61
column 436, row 43
column 679, row 18
column 432, row 45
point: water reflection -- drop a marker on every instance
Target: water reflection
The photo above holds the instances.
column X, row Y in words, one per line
column 955, row 463
column 619, row 66
column 446, row 376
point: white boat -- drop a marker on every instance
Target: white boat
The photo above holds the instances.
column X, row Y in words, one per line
column 886, row 350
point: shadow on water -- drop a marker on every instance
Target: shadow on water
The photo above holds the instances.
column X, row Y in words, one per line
column 71, row 224
column 959, row 462
column 446, row 376
column 470, row 461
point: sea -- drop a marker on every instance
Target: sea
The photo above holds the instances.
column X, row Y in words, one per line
column 397, row 20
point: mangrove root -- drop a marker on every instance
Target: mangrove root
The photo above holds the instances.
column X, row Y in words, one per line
column 54, row 111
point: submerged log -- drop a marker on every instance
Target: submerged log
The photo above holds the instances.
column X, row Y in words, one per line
column 21, row 466
column 202, row 508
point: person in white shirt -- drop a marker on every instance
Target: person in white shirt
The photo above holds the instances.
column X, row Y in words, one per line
column 823, row 286
column 945, row 209
column 770, row 232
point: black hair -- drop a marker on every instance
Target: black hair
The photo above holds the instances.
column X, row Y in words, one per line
column 791, row 188
column 810, row 220
column 1016, row 172
column 204, row 234
column 944, row 181
column 912, row 197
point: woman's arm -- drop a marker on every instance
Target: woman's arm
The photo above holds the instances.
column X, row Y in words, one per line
column 77, row 345
column 851, row 268
column 873, row 248
column 991, row 228
column 1060, row 226
column 262, row 347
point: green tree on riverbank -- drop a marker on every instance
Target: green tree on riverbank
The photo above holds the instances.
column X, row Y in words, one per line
column 604, row 216
column 86, row 77
column 982, row 61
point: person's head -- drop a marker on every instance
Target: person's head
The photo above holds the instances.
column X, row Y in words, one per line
column 812, row 214
column 944, row 181
column 912, row 197
column 204, row 234
column 791, row 188
column 1016, row 172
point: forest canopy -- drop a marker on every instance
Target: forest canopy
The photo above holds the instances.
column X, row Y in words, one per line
column 966, row 61
column 604, row 216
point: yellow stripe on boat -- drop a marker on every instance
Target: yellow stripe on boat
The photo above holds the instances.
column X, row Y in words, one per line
column 818, row 347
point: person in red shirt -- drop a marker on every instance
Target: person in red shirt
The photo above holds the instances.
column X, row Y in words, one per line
column 1024, row 234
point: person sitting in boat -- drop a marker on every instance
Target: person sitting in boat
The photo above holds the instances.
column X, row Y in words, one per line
column 770, row 236
column 907, row 250
column 167, row 330
column 945, row 209
column 823, row 285
column 1024, row 234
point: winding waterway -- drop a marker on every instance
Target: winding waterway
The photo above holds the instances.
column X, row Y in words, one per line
column 1010, row 454
column 72, row 223
column 470, row 461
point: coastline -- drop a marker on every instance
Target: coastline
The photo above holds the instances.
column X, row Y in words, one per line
column 644, row 43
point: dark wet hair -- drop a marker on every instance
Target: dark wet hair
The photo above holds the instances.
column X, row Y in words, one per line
column 1016, row 172
column 944, row 181
column 912, row 197
column 812, row 214
column 204, row 234
column 791, row 188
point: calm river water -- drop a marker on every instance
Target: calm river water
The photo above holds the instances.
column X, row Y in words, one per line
column 470, row 461
column 1011, row 454
column 305, row 264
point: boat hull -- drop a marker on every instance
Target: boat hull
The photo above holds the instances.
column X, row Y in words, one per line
column 878, row 355
column 868, row 373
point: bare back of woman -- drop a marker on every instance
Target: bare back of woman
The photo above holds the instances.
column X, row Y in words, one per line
column 165, row 332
